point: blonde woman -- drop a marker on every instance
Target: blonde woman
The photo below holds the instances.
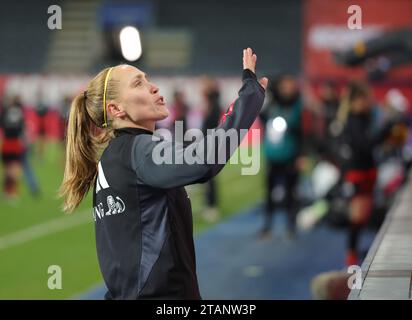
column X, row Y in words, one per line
column 143, row 216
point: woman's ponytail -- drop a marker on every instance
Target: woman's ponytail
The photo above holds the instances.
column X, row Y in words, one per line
column 81, row 155
column 84, row 140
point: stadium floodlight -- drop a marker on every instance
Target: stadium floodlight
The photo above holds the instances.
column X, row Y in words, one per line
column 130, row 43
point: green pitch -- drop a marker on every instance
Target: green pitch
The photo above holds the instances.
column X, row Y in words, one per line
column 35, row 234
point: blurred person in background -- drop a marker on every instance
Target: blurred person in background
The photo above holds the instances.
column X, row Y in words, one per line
column 12, row 148
column 210, row 121
column 179, row 109
column 329, row 101
column 42, row 109
column 394, row 154
column 64, row 112
column 360, row 139
column 396, row 108
column 29, row 173
column 365, row 135
column 324, row 176
column 143, row 216
column 281, row 119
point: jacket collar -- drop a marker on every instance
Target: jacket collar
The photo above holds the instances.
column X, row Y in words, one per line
column 132, row 131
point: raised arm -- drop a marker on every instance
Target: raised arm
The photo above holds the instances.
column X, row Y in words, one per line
column 240, row 115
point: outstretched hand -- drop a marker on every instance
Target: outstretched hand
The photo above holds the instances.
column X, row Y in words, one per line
column 249, row 62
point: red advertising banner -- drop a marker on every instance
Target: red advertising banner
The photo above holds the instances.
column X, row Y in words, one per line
column 326, row 30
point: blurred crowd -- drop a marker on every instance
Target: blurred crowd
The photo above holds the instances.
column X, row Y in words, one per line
column 355, row 149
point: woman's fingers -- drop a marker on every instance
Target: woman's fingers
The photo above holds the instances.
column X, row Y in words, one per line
column 249, row 59
column 249, row 62
column 245, row 59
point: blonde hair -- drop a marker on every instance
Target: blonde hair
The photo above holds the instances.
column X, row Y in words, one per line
column 84, row 142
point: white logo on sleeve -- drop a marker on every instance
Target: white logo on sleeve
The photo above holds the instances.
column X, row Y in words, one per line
column 115, row 205
column 101, row 179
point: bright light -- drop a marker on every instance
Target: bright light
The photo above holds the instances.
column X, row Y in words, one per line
column 276, row 129
column 279, row 124
column 130, row 43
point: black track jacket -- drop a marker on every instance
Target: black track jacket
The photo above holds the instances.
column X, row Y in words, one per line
column 142, row 213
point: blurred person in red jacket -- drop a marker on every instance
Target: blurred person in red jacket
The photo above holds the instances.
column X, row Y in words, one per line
column 361, row 136
column 12, row 147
